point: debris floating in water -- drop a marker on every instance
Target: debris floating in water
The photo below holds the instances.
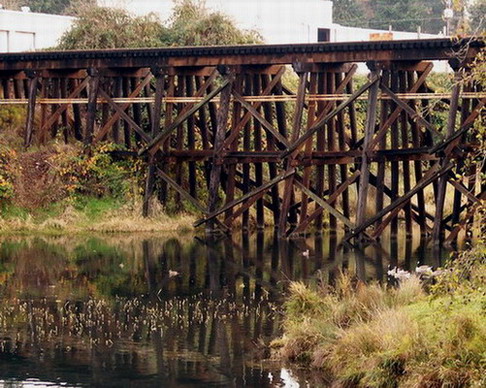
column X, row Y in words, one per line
column 399, row 274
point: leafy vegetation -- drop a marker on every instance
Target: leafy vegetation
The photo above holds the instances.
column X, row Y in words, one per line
column 192, row 24
column 408, row 15
column 477, row 13
column 98, row 28
column 58, row 7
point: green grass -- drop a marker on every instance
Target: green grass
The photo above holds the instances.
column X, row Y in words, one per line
column 91, row 214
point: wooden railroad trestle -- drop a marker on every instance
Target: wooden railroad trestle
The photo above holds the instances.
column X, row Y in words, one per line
column 287, row 135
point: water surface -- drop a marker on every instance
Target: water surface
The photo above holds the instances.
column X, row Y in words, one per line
column 171, row 311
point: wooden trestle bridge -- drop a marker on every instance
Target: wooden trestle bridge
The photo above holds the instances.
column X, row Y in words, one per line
column 290, row 135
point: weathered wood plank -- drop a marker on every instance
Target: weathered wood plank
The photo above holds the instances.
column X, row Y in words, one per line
column 29, row 125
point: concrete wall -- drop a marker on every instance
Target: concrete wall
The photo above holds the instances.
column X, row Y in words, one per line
column 28, row 31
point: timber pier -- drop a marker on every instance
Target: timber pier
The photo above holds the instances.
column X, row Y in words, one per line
column 289, row 135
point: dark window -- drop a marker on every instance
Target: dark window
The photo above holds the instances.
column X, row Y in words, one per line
column 323, row 35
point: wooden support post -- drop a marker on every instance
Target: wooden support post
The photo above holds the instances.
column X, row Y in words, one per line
column 381, row 168
column 311, row 116
column 215, row 177
column 105, row 108
column 64, row 117
column 29, row 125
column 137, row 108
column 395, row 168
column 231, row 180
column 417, row 165
column 341, row 130
column 257, row 146
column 437, row 231
column 127, row 129
column 78, row 124
column 179, row 136
column 191, row 139
column 331, row 146
column 456, row 211
column 246, row 166
column 320, row 147
column 93, row 89
column 154, row 130
column 369, row 129
column 117, row 92
column 404, row 131
column 205, row 135
column 288, row 193
column 272, row 167
column 55, row 95
column 169, row 110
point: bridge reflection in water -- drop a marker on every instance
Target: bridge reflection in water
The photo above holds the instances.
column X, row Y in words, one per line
column 164, row 311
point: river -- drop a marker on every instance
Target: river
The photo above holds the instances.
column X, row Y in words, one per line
column 167, row 310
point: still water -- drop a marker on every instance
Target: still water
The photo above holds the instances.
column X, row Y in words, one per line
column 165, row 311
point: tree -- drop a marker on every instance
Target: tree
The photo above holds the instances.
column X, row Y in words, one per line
column 477, row 13
column 102, row 28
column 192, row 24
column 407, row 15
column 348, row 12
column 49, row 6
column 57, row 7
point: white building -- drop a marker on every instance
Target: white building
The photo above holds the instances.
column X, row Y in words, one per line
column 28, row 31
column 278, row 21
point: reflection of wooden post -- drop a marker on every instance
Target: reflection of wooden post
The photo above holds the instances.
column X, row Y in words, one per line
column 93, row 87
column 369, row 130
column 29, row 126
column 222, row 123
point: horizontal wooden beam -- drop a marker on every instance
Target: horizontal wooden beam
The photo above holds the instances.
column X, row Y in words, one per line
column 343, row 52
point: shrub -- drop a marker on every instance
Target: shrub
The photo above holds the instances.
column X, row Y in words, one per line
column 94, row 174
column 6, row 174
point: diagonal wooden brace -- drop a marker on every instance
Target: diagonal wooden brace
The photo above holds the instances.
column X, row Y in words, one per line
column 433, row 174
column 53, row 118
column 160, row 138
column 103, row 131
column 245, row 197
column 124, row 115
column 318, row 125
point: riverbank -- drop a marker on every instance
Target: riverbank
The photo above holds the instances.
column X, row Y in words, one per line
column 410, row 336
column 101, row 215
column 59, row 188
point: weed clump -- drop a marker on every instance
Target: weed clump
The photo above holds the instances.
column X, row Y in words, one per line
column 370, row 335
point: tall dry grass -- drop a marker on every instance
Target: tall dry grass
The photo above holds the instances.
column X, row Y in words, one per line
column 375, row 336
